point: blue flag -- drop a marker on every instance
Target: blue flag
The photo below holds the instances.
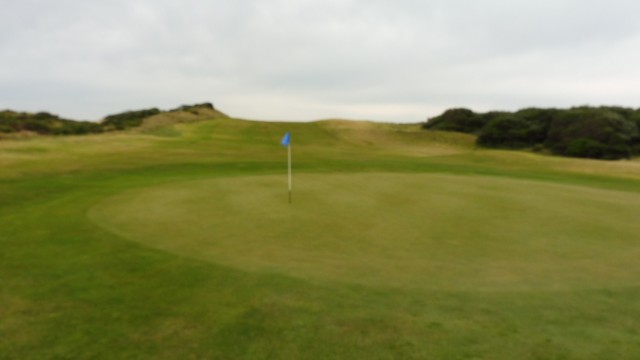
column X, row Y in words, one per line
column 286, row 140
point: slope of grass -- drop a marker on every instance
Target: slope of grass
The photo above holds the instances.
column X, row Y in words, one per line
column 73, row 284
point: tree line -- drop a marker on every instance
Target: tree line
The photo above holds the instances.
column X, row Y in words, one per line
column 45, row 123
column 605, row 132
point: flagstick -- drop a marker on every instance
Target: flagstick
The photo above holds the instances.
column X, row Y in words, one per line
column 289, row 148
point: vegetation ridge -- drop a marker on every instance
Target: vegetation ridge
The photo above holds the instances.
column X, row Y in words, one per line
column 44, row 123
column 605, row 132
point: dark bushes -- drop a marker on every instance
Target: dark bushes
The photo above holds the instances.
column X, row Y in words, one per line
column 194, row 108
column 127, row 119
column 461, row 120
column 600, row 133
column 507, row 131
column 44, row 123
column 593, row 133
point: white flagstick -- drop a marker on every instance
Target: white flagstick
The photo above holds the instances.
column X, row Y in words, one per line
column 289, row 148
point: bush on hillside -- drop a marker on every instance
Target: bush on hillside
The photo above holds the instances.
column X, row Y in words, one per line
column 488, row 116
column 593, row 133
column 44, row 123
column 539, row 121
column 127, row 119
column 49, row 124
column 602, row 133
column 194, row 108
column 461, row 120
column 77, row 128
column 634, row 117
column 522, row 129
column 507, row 131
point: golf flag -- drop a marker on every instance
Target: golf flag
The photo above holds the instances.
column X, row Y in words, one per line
column 286, row 140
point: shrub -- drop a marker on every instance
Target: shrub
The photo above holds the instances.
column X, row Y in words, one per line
column 194, row 108
column 593, row 133
column 127, row 119
column 44, row 123
column 462, row 120
column 507, row 131
column 539, row 121
column 602, row 133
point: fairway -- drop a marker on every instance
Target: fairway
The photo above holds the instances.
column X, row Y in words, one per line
column 406, row 231
column 177, row 241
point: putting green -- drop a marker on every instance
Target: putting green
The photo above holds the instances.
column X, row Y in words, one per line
column 424, row 231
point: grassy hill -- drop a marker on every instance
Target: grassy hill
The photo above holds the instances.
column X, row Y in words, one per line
column 23, row 124
column 175, row 240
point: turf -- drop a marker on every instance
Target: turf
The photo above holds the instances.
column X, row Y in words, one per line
column 176, row 241
column 395, row 230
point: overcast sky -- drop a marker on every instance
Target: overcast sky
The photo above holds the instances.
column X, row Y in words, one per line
column 384, row 60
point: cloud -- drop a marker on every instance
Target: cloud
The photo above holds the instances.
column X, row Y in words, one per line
column 400, row 60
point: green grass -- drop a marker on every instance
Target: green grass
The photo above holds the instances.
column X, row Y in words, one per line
column 394, row 230
column 177, row 242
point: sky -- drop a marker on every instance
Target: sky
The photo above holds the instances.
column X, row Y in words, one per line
column 302, row 60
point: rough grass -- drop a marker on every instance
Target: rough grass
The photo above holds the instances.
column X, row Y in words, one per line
column 73, row 284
